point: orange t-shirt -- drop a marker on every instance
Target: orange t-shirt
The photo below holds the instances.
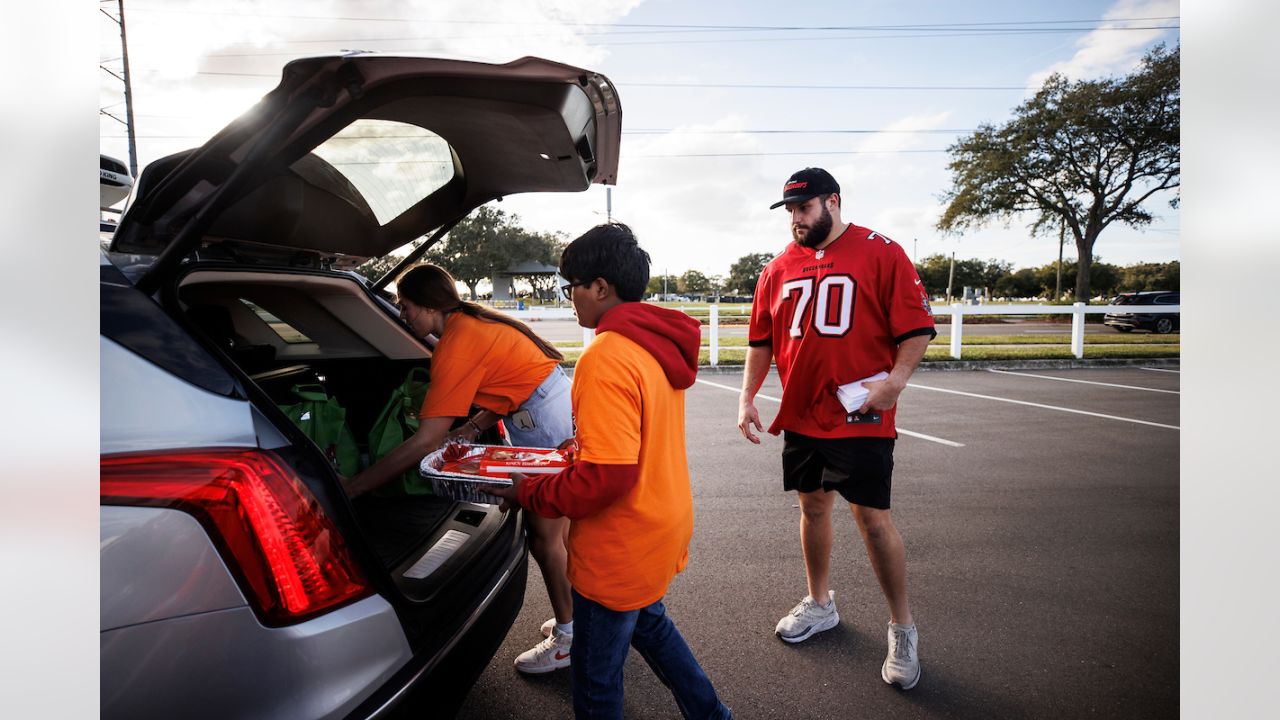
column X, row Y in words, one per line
column 628, row 413
column 478, row 362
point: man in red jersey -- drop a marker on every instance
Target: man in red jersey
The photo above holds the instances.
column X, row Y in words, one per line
column 840, row 305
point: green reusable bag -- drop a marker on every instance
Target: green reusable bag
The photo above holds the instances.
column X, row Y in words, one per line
column 324, row 420
column 397, row 422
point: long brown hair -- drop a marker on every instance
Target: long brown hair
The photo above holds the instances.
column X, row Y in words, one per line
column 431, row 286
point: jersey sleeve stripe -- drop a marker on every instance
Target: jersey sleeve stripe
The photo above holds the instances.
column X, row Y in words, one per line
column 767, row 342
column 932, row 333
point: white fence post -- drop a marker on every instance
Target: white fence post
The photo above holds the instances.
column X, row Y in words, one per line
column 957, row 328
column 1077, row 329
column 587, row 335
column 714, row 319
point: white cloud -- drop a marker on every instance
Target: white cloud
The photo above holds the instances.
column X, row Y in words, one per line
column 1113, row 52
column 689, row 212
column 197, row 64
column 904, row 133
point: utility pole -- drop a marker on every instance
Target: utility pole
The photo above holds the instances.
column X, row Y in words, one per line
column 608, row 203
column 915, row 257
column 1062, row 234
column 951, row 277
column 128, row 93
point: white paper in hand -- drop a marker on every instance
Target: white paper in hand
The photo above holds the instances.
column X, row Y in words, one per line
column 852, row 395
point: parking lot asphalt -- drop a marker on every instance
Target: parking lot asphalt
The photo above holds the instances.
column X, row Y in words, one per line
column 1040, row 515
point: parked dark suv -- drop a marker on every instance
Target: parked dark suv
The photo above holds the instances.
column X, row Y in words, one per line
column 238, row 580
column 1155, row 322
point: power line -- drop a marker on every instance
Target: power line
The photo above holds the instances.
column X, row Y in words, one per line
column 1047, row 31
column 652, row 131
column 984, row 33
column 791, row 86
column 679, row 131
column 770, row 154
column 733, row 86
column 954, row 28
column 624, row 156
column 681, row 26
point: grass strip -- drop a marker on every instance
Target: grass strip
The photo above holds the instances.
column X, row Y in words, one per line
column 737, row 356
column 979, row 340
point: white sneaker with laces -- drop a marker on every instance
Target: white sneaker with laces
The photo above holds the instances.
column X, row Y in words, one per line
column 550, row 654
column 808, row 618
column 902, row 664
column 546, row 627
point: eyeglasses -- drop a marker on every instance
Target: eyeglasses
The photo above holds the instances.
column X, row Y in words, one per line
column 567, row 289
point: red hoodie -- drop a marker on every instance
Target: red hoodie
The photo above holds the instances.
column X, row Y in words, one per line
column 670, row 336
column 673, row 339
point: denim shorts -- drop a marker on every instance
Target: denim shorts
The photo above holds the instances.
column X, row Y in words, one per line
column 546, row 418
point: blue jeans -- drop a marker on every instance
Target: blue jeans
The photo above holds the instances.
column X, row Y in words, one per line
column 545, row 419
column 600, row 642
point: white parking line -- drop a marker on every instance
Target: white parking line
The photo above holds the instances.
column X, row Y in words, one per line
column 1046, row 407
column 1160, row 370
column 930, row 438
column 1083, row 382
column 734, row 389
column 922, row 436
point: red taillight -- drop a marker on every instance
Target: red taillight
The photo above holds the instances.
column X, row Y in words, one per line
column 288, row 555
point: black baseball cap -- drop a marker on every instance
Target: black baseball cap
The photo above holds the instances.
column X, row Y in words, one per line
column 807, row 183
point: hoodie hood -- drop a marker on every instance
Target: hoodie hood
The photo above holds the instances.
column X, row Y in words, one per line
column 670, row 336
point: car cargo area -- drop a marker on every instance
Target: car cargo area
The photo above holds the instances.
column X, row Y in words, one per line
column 287, row 330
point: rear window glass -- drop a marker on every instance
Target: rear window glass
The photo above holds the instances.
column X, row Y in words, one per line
column 392, row 164
column 286, row 331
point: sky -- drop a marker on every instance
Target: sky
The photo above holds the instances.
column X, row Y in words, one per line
column 721, row 101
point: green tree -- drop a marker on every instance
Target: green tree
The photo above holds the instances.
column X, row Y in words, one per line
column 933, row 271
column 694, row 282
column 745, row 273
column 375, row 268
column 544, row 248
column 474, row 248
column 1087, row 153
column 1150, row 276
column 1022, row 283
column 485, row 241
column 657, row 286
column 715, row 285
column 1106, row 277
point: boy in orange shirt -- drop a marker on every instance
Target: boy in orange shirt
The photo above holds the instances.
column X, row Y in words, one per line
column 627, row 496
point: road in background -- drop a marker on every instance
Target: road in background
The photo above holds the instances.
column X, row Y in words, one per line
column 569, row 330
column 1042, row 561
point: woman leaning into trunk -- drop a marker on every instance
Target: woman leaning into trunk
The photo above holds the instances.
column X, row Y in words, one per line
column 488, row 360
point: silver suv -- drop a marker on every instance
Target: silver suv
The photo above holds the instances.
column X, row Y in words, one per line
column 237, row 578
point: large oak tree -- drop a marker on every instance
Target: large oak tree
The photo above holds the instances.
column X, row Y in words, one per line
column 745, row 273
column 1082, row 154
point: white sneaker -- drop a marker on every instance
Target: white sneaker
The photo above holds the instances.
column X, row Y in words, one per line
column 550, row 654
column 808, row 618
column 902, row 664
column 546, row 627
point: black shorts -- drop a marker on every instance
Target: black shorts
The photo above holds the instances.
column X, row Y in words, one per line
column 860, row 468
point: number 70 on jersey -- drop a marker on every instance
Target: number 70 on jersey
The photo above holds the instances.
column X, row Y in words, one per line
column 833, row 307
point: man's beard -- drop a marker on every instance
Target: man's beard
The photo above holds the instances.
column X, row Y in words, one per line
column 816, row 233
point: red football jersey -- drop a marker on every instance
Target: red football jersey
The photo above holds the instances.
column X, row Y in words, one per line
column 834, row 316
